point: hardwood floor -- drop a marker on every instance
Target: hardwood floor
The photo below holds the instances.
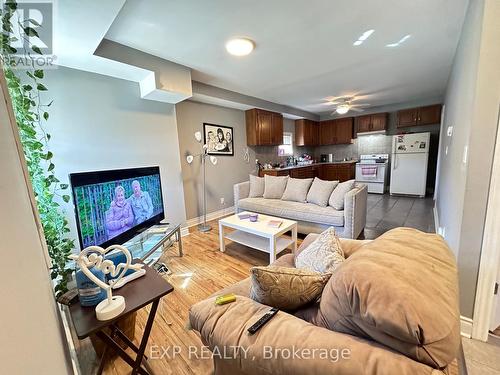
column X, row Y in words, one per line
column 202, row 270
column 385, row 212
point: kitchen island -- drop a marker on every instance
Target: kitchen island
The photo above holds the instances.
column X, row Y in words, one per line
column 330, row 171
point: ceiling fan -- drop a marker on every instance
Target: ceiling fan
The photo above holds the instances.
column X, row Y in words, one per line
column 345, row 104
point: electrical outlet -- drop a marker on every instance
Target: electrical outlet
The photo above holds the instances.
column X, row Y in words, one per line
column 222, row 202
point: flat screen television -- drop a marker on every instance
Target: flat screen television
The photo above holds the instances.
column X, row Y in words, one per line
column 113, row 206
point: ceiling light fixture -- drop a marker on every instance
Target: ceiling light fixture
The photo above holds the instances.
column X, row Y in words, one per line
column 342, row 109
column 240, row 46
column 402, row 40
column 363, row 37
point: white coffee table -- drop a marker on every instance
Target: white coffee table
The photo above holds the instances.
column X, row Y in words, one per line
column 258, row 235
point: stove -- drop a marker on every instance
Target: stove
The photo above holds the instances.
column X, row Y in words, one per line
column 372, row 171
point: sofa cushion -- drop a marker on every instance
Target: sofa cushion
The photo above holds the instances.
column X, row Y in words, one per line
column 296, row 189
column 401, row 290
column 284, row 287
column 256, row 186
column 274, row 186
column 337, row 197
column 294, row 210
column 324, row 254
column 320, row 191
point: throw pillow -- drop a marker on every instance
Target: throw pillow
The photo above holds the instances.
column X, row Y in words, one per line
column 337, row 198
column 286, row 288
column 274, row 186
column 324, row 254
column 320, row 191
column 256, row 186
column 296, row 189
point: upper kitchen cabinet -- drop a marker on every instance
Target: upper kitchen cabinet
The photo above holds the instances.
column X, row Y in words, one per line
column 371, row 123
column 264, row 128
column 306, row 133
column 336, row 132
column 428, row 115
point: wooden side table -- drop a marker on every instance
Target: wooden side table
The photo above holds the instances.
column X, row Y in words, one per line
column 138, row 293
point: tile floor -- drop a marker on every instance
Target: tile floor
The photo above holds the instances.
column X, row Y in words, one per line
column 481, row 358
column 385, row 212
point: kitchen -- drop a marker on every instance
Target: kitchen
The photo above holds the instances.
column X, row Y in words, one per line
column 358, row 147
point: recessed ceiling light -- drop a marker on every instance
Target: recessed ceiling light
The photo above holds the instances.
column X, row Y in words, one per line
column 240, row 46
column 402, row 40
column 363, row 37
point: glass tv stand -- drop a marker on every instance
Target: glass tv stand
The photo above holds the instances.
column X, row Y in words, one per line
column 148, row 246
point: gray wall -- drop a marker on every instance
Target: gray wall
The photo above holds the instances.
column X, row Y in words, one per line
column 472, row 109
column 98, row 122
column 229, row 169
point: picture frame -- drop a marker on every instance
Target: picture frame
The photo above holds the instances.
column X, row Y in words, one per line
column 219, row 139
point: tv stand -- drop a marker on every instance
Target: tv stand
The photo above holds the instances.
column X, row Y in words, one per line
column 148, row 246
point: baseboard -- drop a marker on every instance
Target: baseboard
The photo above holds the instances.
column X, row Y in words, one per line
column 466, row 327
column 436, row 218
column 210, row 216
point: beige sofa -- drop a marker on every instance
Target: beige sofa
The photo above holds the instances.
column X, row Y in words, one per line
column 391, row 308
column 311, row 218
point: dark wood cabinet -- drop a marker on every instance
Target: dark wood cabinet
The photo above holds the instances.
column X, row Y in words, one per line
column 337, row 172
column 304, row 172
column 371, row 123
column 274, row 172
column 264, row 128
column 428, row 115
column 306, row 133
column 336, row 132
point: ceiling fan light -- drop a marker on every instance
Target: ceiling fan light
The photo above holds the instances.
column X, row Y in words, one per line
column 342, row 109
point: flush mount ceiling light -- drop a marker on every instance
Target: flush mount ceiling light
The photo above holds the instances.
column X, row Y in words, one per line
column 240, row 46
column 363, row 37
column 402, row 40
column 342, row 109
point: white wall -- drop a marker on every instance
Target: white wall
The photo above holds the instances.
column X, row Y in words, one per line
column 32, row 336
column 98, row 122
column 472, row 108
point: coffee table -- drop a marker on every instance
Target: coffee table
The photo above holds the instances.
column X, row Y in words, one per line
column 258, row 235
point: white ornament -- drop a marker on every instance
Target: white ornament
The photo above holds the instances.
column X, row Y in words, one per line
column 93, row 256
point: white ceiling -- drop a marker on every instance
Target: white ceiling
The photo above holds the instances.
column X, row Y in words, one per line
column 304, row 50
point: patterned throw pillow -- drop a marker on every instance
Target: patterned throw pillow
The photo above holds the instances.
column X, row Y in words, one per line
column 337, row 198
column 296, row 189
column 256, row 186
column 320, row 191
column 286, row 288
column 274, row 187
column 324, row 254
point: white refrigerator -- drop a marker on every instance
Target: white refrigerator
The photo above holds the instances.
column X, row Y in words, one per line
column 410, row 155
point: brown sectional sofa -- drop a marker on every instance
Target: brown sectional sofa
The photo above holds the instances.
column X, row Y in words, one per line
column 392, row 306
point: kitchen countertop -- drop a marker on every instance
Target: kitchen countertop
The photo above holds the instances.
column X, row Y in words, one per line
column 310, row 165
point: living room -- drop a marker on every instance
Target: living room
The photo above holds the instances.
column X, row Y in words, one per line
column 372, row 130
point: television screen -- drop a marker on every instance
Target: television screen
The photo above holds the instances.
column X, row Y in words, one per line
column 113, row 206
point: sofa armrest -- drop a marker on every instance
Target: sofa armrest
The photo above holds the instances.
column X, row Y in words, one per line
column 355, row 202
column 241, row 191
column 271, row 350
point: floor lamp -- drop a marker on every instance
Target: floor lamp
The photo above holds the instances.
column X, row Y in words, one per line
column 203, row 227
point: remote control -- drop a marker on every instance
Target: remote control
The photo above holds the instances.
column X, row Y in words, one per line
column 265, row 318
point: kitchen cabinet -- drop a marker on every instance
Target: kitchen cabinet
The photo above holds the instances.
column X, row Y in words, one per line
column 371, row 123
column 428, row 115
column 337, row 172
column 306, row 133
column 304, row 172
column 336, row 132
column 264, row 128
column 274, row 172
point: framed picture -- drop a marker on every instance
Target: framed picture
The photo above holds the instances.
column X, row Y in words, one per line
column 219, row 139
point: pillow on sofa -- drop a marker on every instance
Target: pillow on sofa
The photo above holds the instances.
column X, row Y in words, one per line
column 324, row 254
column 286, row 288
column 320, row 191
column 256, row 186
column 401, row 290
column 296, row 189
column 274, row 186
column 337, row 197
